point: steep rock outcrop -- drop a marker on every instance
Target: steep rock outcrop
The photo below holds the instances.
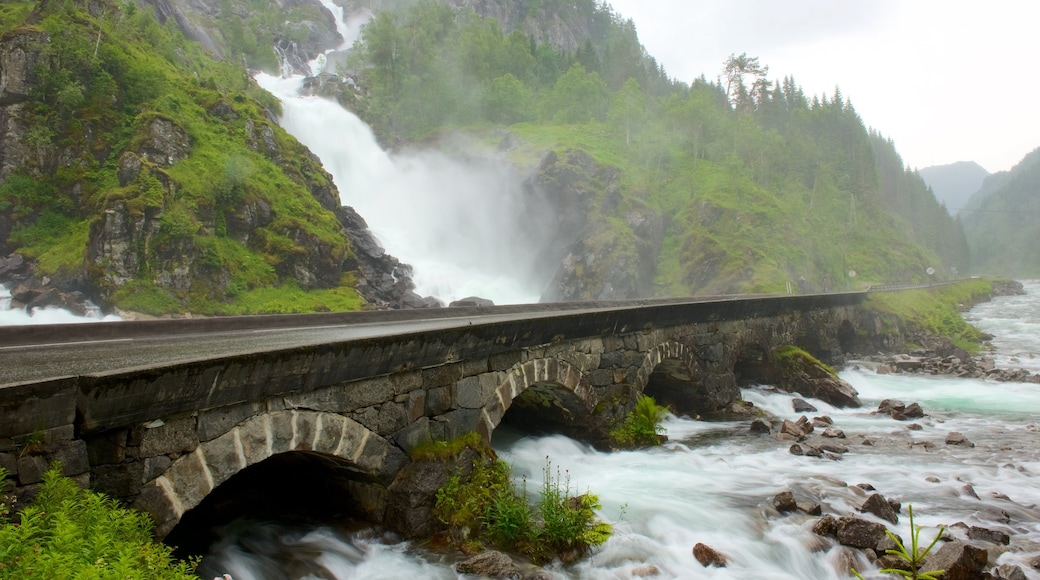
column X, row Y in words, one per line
column 22, row 56
column 599, row 257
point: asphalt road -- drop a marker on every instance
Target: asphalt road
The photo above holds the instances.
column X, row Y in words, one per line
column 20, row 364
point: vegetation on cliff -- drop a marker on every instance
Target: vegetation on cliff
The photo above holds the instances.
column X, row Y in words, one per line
column 151, row 175
column 936, row 312
column 757, row 186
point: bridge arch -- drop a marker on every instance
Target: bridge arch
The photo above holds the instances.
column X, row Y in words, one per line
column 193, row 476
column 672, row 375
column 542, row 394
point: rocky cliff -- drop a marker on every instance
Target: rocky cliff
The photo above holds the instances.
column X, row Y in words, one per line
column 152, row 178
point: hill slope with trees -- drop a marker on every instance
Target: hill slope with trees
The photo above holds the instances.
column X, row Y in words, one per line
column 1000, row 221
column 152, row 177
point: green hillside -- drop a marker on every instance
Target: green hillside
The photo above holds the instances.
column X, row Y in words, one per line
column 139, row 170
column 142, row 171
column 1000, row 221
column 758, row 185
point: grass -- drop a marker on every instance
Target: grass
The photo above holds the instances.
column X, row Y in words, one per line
column 489, row 508
column 935, row 310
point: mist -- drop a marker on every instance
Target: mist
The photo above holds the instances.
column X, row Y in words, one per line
column 467, row 225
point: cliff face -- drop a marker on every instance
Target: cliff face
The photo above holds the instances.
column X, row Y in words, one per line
column 158, row 182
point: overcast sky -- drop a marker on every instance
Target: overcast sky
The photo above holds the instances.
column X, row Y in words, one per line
column 947, row 80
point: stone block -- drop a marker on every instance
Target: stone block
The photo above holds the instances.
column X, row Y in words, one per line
column 503, row 361
column 330, row 431
column 107, row 447
column 252, row 435
column 154, row 467
column 414, row 434
column 459, row 422
column 438, row 401
column 223, row 457
column 305, row 426
column 281, row 428
column 474, row 366
column 120, row 481
column 37, row 408
column 475, row 392
column 213, row 423
column 173, row 436
column 406, row 382
column 190, row 480
column 73, row 458
column 31, row 469
column 9, row 463
column 601, row 377
column 345, row 396
column 442, row 375
column 414, row 404
column 154, row 501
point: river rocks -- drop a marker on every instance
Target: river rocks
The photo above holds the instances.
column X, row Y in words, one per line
column 784, row 502
column 960, row 561
column 802, row 406
column 957, row 438
column 760, row 426
column 800, row 373
column 833, row 433
column 949, row 360
column 877, row 505
column 988, row 535
column 1008, row 572
column 708, row 556
column 491, row 564
column 859, row 533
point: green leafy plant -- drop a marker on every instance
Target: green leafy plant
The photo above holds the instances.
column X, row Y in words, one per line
column 488, row 507
column 70, row 532
column 642, row 426
column 915, row 556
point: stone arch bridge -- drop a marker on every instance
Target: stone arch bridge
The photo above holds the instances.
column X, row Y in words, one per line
column 168, row 437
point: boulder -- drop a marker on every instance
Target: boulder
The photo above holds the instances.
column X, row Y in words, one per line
column 760, row 426
column 988, row 535
column 957, row 438
column 833, row 433
column 802, row 406
column 1008, row 572
column 708, row 556
column 825, row 526
column 959, row 560
column 784, row 502
column 858, row 532
column 790, row 428
column 877, row 505
column 889, row 405
column 491, row 564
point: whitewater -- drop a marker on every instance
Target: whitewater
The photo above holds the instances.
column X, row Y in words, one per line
column 713, row 482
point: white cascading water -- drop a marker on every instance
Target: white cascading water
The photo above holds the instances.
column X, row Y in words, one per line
column 49, row 315
column 713, row 482
column 465, row 226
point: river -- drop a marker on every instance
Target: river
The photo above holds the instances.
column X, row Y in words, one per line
column 713, row 482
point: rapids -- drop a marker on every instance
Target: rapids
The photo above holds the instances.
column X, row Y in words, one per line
column 713, row 482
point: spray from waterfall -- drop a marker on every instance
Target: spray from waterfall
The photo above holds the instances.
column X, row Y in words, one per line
column 467, row 226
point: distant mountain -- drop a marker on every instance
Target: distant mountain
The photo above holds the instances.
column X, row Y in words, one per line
column 1000, row 221
column 953, row 184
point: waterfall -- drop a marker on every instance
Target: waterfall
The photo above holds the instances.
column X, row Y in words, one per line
column 467, row 226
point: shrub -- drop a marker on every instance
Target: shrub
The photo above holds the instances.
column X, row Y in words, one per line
column 642, row 426
column 488, row 507
column 70, row 532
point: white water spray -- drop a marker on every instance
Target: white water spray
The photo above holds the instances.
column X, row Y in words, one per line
column 49, row 315
column 460, row 223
